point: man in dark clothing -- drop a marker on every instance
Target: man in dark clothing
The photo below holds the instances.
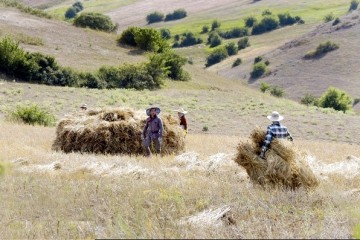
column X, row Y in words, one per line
column 275, row 130
column 153, row 130
column 183, row 123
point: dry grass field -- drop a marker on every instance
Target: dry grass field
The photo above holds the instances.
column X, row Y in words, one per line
column 49, row 194
column 201, row 192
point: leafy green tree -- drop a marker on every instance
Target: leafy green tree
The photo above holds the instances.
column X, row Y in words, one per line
column 214, row 39
column 127, row 37
column 259, row 69
column 336, row 99
column 165, row 33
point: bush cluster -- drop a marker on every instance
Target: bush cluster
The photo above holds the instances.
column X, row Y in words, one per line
column 274, row 90
column 147, row 39
column 234, row 33
column 73, row 10
column 158, row 16
column 322, row 49
column 270, row 22
column 39, row 68
column 95, row 21
column 186, row 39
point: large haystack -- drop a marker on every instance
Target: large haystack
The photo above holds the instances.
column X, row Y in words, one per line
column 285, row 166
column 113, row 131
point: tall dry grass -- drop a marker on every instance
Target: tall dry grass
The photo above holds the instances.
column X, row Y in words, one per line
column 45, row 194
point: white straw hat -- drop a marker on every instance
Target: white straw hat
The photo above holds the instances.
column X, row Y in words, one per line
column 181, row 110
column 275, row 117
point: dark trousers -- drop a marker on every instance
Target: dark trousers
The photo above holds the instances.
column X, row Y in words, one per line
column 147, row 143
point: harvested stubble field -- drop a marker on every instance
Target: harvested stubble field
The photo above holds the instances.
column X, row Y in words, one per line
column 201, row 193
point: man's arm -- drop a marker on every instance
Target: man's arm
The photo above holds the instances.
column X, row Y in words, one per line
column 161, row 128
column 145, row 128
column 267, row 141
column 289, row 136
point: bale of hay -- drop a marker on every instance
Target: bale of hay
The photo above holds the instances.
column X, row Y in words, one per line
column 285, row 165
column 113, row 131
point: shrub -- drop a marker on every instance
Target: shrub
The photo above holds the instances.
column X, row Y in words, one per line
column 12, row 57
column 150, row 39
column 215, row 24
column 78, row 6
column 214, row 39
column 259, row 69
column 237, row 62
column 235, row 33
column 322, row 49
column 216, row 56
column 353, row 5
column 266, row 12
column 277, row 91
column 258, row 59
column 336, row 99
column 127, row 37
column 177, row 14
column 231, row 48
column 205, row 128
column 309, row 100
column 264, row 87
column 356, row 101
column 267, row 24
column 267, row 62
column 336, row 21
column 329, row 17
column 70, row 13
column 95, row 21
column 285, row 19
column 189, row 39
column 154, row 17
column 32, row 114
column 174, row 63
column 243, row 43
column 165, row 33
column 205, row 29
column 90, row 80
column 250, row 21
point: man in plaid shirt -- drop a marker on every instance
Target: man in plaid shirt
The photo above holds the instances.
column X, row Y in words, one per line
column 275, row 130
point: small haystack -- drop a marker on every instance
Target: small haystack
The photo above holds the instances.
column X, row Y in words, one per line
column 285, row 166
column 113, row 131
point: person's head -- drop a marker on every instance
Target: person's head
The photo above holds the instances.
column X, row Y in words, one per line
column 181, row 112
column 275, row 117
column 152, row 111
column 83, row 107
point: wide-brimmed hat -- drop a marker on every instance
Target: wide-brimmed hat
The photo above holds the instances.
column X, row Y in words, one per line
column 275, row 117
column 149, row 109
column 180, row 110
